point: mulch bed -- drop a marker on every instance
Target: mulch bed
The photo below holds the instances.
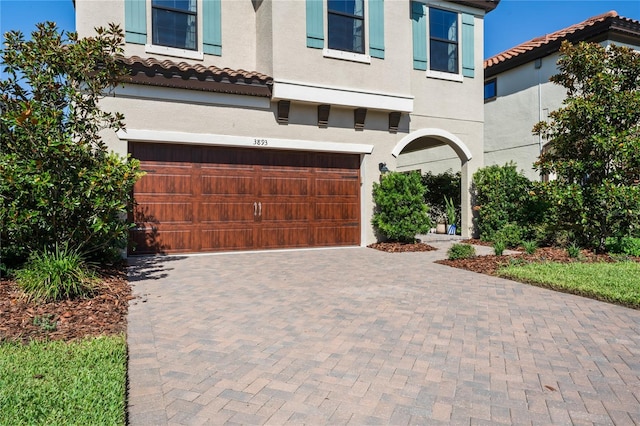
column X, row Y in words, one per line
column 105, row 313
column 401, row 247
column 490, row 264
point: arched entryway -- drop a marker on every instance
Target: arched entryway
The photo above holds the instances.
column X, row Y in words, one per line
column 430, row 149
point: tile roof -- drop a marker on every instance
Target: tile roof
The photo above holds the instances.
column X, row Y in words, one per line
column 167, row 73
column 575, row 32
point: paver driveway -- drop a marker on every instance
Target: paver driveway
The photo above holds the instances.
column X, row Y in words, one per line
column 364, row 337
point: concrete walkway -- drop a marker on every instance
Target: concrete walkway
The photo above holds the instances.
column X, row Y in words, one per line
column 358, row 336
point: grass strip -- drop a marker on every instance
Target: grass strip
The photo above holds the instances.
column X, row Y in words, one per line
column 611, row 282
column 59, row 383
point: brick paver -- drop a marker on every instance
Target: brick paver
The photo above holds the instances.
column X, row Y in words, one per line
column 360, row 336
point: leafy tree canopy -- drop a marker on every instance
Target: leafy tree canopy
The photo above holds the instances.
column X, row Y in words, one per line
column 594, row 141
column 58, row 181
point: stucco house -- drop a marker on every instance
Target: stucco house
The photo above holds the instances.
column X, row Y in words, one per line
column 263, row 124
column 518, row 93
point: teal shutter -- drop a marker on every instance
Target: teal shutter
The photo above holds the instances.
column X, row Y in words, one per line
column 468, row 46
column 135, row 21
column 212, row 27
column 419, row 26
column 315, row 25
column 376, row 28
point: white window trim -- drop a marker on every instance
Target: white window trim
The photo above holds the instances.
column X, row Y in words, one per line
column 441, row 75
column 346, row 56
column 172, row 51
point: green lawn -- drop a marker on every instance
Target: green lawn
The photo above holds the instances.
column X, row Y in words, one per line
column 612, row 282
column 58, row 383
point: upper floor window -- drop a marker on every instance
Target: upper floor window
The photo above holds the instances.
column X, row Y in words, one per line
column 345, row 20
column 181, row 28
column 490, row 90
column 174, row 23
column 443, row 40
column 351, row 30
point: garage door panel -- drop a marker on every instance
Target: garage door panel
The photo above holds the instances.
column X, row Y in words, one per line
column 337, row 186
column 337, row 236
column 163, row 154
column 227, row 212
column 284, row 186
column 227, row 185
column 240, row 238
column 284, row 237
column 284, row 211
column 337, row 211
column 166, row 213
column 165, row 184
column 150, row 241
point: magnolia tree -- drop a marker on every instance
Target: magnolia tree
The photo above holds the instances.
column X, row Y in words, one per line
column 58, row 182
column 594, row 141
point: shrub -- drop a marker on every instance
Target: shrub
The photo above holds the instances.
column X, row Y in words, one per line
column 461, row 251
column 573, row 250
column 400, row 211
column 530, row 246
column 57, row 274
column 502, row 197
column 57, row 179
column 510, row 235
column 498, row 247
column 624, row 245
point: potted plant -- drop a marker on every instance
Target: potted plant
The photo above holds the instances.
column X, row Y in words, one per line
column 451, row 215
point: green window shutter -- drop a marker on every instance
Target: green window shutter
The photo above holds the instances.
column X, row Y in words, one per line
column 315, row 24
column 135, row 21
column 467, row 45
column 419, row 26
column 212, row 27
column 376, row 28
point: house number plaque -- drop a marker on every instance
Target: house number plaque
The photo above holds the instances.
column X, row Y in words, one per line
column 260, row 142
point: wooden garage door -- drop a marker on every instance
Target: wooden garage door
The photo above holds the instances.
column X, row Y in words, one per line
column 200, row 199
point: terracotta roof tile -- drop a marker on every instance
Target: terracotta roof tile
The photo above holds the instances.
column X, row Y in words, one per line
column 544, row 40
column 167, row 73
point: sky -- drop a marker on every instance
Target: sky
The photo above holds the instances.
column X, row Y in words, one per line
column 511, row 23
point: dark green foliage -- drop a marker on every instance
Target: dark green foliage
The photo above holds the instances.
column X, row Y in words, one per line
column 58, row 182
column 507, row 205
column 498, row 248
column 438, row 187
column 594, row 140
column 400, row 211
column 56, row 274
column 460, row 251
column 624, row 245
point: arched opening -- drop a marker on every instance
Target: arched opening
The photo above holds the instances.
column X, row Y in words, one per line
column 438, row 151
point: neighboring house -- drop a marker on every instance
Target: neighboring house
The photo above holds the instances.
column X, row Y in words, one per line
column 518, row 93
column 285, row 155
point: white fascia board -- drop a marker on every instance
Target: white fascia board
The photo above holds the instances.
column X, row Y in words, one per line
column 140, row 91
column 304, row 92
column 257, row 142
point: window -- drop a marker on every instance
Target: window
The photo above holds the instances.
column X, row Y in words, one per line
column 174, row 23
column 346, row 25
column 490, row 90
column 338, row 27
column 443, row 40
